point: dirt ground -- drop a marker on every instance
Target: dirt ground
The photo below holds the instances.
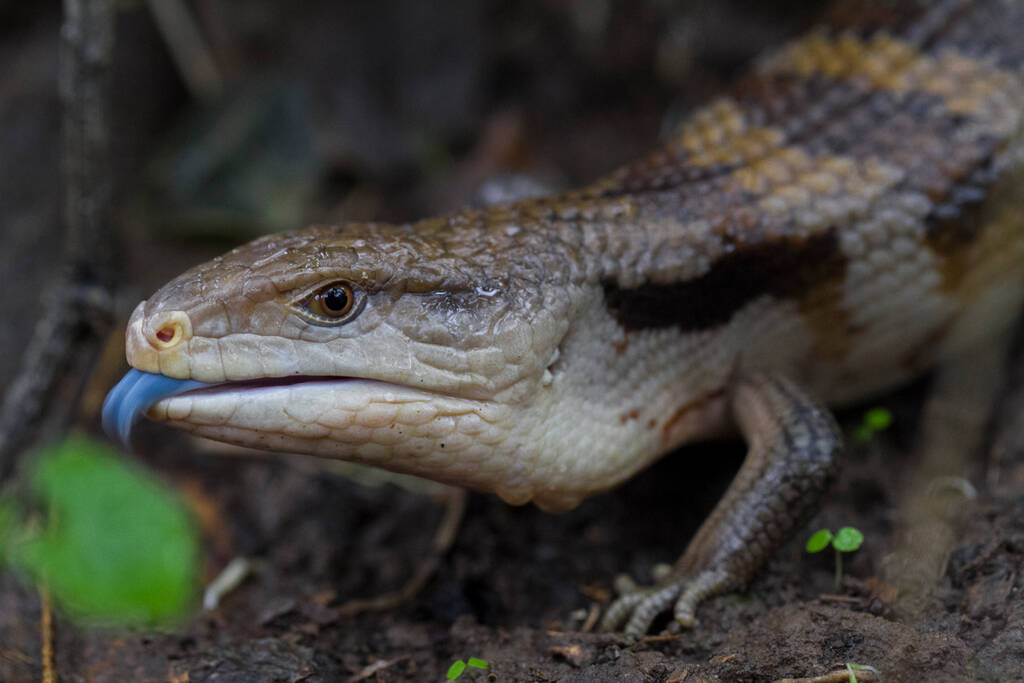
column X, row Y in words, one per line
column 402, row 111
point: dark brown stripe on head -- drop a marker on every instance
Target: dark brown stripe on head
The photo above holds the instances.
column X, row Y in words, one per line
column 788, row 267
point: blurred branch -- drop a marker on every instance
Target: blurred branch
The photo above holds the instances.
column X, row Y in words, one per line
column 188, row 50
column 84, row 83
column 78, row 307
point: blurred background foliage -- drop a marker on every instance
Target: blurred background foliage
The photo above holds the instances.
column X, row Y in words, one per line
column 111, row 544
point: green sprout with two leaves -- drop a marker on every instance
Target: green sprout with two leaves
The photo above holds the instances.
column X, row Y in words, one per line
column 875, row 420
column 459, row 666
column 846, row 540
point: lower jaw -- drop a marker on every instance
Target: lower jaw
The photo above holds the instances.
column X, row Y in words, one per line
column 352, row 419
column 435, row 450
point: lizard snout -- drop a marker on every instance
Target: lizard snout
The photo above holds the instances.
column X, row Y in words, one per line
column 150, row 336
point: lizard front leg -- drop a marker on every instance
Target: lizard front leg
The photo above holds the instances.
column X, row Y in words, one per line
column 793, row 455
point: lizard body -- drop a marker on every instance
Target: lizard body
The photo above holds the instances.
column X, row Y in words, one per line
column 848, row 216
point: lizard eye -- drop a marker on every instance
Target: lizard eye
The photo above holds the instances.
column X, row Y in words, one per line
column 329, row 304
column 334, row 301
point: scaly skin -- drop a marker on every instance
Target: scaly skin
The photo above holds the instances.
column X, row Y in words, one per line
column 847, row 217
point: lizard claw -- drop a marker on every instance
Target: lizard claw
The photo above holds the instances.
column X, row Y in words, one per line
column 639, row 607
column 793, row 452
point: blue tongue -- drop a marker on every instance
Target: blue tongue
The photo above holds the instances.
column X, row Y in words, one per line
column 133, row 396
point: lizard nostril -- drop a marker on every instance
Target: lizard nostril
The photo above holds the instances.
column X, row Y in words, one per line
column 168, row 335
column 169, row 329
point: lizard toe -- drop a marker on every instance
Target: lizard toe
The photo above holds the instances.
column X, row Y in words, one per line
column 650, row 607
column 637, row 608
column 621, row 609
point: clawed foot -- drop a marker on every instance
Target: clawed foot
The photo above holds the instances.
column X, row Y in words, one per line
column 793, row 453
column 637, row 607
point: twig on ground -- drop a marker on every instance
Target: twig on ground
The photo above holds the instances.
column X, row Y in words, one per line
column 840, row 676
column 372, row 669
column 592, row 618
column 46, row 636
column 846, row 599
column 444, row 537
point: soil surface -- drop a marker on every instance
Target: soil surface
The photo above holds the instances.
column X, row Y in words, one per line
column 394, row 111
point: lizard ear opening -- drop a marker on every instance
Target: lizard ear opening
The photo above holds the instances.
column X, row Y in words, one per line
column 331, row 303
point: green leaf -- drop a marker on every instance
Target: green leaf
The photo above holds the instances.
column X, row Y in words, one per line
column 878, row 419
column 847, row 539
column 853, row 677
column 818, row 541
column 117, row 546
column 455, row 670
column 478, row 663
column 875, row 420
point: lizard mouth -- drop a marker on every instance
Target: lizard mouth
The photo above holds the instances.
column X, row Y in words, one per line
column 262, row 383
column 139, row 391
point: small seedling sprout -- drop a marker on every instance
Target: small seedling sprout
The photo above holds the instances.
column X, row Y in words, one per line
column 458, row 667
column 455, row 670
column 846, row 540
column 875, row 420
column 851, row 667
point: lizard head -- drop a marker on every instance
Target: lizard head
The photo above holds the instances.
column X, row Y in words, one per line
column 374, row 343
column 369, row 301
